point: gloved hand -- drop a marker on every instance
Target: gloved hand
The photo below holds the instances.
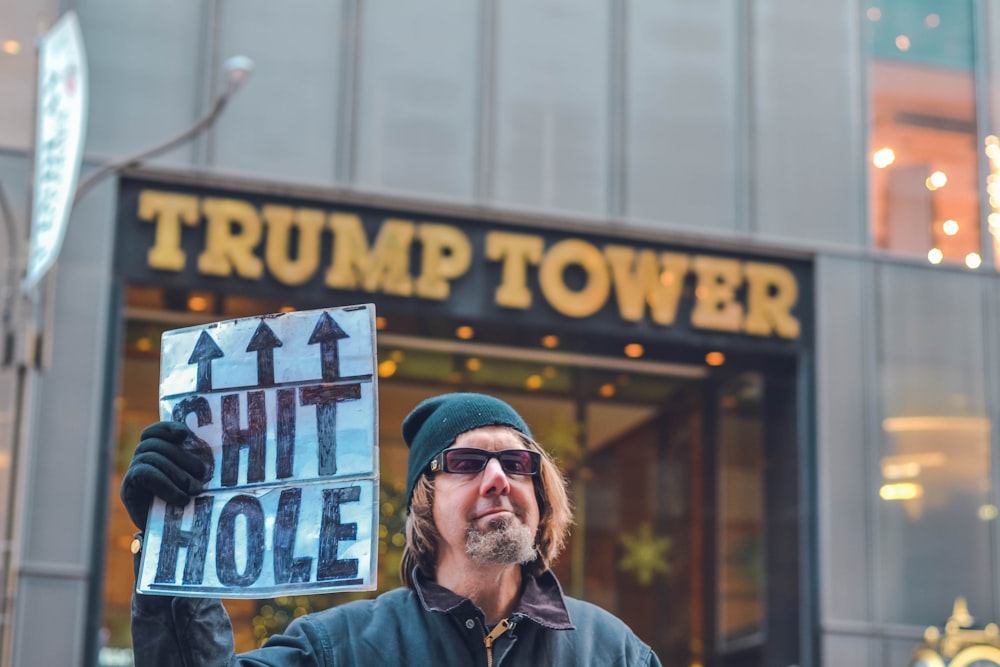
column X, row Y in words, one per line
column 169, row 462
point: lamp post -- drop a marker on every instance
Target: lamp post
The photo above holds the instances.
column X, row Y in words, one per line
column 237, row 69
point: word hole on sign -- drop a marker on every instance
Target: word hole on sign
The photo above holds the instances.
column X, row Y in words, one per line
column 283, row 409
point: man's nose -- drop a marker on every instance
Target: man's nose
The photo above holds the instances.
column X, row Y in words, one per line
column 494, row 480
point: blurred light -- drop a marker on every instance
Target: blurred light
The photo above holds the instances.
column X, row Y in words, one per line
column 198, row 304
column 922, row 459
column 992, row 151
column 934, row 255
column 380, row 323
column 950, row 227
column 287, row 309
column 991, row 140
column 634, row 350
column 550, row 372
column 473, row 364
column 667, row 278
column 607, row 390
column 973, row 260
column 987, row 512
column 994, row 202
column 465, row 332
column 901, row 491
column 901, row 470
column 873, row 13
column 397, row 356
column 883, row 157
column 935, row 423
column 715, row 358
column 550, row 341
column 932, row 21
column 533, row 381
column 903, row 43
column 994, row 221
column 387, row 368
column 938, row 179
column 144, row 344
column 11, row 47
column 238, row 69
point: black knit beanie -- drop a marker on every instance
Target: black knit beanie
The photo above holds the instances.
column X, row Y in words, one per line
column 434, row 424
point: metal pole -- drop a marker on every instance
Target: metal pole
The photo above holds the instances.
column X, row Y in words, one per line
column 19, row 336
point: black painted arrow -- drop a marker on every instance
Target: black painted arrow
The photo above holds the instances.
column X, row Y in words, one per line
column 204, row 351
column 327, row 333
column 263, row 343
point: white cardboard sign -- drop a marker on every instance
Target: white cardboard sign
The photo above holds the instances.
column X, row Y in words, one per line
column 286, row 406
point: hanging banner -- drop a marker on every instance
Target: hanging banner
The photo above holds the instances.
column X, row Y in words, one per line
column 61, row 123
column 286, row 409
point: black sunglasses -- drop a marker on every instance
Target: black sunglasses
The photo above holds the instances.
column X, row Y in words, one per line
column 467, row 461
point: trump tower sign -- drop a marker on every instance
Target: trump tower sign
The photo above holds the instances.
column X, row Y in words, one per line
column 284, row 410
column 437, row 264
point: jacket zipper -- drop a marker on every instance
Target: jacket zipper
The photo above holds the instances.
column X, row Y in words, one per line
column 503, row 626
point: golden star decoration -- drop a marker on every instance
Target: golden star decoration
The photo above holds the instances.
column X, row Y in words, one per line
column 645, row 554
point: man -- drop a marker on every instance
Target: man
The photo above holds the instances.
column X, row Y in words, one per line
column 488, row 514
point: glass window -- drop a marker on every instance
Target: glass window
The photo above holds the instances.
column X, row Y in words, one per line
column 19, row 20
column 923, row 170
column 934, row 507
column 417, row 104
column 283, row 122
column 740, row 542
column 681, row 112
column 552, row 109
column 989, row 38
column 147, row 64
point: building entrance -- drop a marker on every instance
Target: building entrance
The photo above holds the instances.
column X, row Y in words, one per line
column 683, row 478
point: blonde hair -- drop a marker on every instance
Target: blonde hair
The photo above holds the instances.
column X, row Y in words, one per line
column 554, row 518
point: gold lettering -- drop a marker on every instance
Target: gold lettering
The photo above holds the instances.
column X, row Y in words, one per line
column 640, row 281
column 589, row 299
column 167, row 210
column 386, row 266
column 446, row 254
column 230, row 249
column 771, row 293
column 714, row 295
column 516, row 251
column 278, row 253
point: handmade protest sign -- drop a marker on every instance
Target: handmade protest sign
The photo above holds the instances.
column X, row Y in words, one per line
column 285, row 407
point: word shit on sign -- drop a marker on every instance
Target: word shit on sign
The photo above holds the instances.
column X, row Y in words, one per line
column 283, row 409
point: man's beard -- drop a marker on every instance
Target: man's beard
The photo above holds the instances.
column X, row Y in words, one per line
column 503, row 541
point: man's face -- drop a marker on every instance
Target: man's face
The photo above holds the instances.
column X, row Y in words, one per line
column 488, row 516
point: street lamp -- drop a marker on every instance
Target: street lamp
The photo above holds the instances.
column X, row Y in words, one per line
column 26, row 323
column 237, row 68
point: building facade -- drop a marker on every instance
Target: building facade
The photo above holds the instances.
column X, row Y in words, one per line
column 734, row 261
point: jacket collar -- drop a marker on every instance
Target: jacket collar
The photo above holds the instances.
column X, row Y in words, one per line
column 541, row 600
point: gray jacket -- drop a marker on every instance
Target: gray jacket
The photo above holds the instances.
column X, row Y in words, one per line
column 427, row 626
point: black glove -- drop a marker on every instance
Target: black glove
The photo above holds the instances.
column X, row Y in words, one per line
column 169, row 462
